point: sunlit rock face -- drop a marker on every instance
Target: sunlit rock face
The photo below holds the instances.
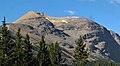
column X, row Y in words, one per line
column 100, row 42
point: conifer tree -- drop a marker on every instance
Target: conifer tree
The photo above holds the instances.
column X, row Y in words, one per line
column 19, row 52
column 80, row 54
column 28, row 58
column 5, row 43
column 1, row 52
column 55, row 54
column 43, row 54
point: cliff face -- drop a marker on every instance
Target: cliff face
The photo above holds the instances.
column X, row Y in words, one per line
column 100, row 42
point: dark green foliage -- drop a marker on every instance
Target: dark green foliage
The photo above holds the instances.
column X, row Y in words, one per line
column 18, row 50
column 0, row 29
column 5, row 45
column 55, row 54
column 43, row 54
column 28, row 54
column 80, row 54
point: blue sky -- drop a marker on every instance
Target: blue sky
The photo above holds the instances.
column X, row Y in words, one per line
column 104, row 12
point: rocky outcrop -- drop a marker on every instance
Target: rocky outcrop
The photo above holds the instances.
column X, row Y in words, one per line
column 100, row 42
column 115, row 36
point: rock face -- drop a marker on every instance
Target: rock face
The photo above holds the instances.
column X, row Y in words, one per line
column 100, row 42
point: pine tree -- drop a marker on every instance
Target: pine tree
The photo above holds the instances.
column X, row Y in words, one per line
column 1, row 51
column 55, row 54
column 80, row 54
column 28, row 58
column 19, row 52
column 43, row 54
column 5, row 45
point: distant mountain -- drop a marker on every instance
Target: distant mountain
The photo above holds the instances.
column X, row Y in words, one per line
column 101, row 42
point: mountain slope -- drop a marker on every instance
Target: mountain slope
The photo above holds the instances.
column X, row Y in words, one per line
column 101, row 43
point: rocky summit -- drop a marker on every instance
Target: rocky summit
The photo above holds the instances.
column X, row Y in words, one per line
column 100, row 42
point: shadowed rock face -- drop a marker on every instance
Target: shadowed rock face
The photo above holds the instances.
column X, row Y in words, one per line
column 100, row 42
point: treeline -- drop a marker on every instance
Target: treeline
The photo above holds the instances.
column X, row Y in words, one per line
column 19, row 51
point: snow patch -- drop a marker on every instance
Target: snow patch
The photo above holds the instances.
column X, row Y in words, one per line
column 64, row 21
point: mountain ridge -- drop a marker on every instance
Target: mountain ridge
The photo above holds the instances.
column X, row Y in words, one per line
column 100, row 42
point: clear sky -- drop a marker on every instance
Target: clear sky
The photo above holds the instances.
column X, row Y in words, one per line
column 104, row 12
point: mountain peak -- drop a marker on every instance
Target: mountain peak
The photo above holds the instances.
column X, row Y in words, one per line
column 30, row 14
